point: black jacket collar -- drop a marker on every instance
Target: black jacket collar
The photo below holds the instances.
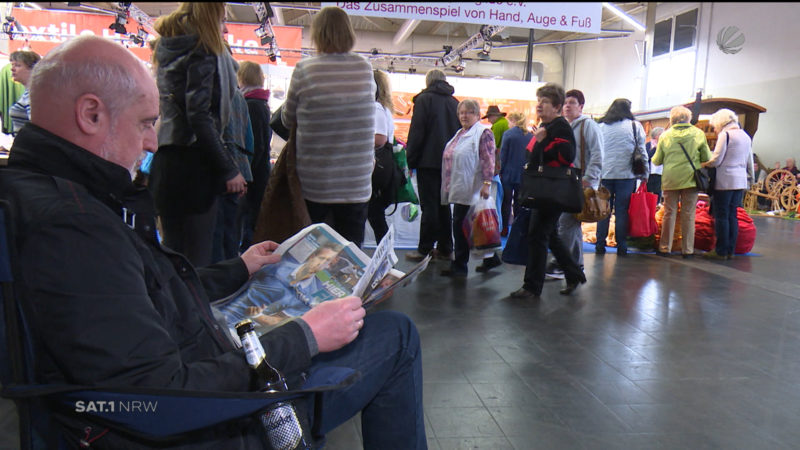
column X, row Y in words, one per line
column 38, row 150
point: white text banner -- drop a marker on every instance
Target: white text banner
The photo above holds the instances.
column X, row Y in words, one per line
column 578, row 17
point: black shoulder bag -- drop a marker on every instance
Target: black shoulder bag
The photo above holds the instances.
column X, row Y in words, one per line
column 700, row 178
column 551, row 187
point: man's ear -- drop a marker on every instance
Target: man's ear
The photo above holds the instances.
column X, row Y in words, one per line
column 91, row 114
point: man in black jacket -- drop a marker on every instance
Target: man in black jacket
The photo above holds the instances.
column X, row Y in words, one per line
column 108, row 305
column 433, row 123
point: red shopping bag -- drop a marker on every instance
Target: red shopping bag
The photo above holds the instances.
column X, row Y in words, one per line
column 642, row 213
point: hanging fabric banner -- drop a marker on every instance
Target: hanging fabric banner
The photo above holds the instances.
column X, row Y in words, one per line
column 578, row 17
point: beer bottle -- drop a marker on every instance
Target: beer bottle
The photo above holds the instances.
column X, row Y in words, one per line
column 280, row 421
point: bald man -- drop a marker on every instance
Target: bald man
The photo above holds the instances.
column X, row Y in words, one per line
column 107, row 304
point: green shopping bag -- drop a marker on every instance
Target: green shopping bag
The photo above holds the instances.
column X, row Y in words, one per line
column 406, row 192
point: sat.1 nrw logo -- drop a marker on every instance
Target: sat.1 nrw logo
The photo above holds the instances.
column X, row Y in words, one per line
column 110, row 406
column 730, row 40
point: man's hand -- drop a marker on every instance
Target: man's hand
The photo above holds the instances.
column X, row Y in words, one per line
column 259, row 255
column 236, row 184
column 335, row 323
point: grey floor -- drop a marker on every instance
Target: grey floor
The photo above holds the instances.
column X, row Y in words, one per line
column 650, row 353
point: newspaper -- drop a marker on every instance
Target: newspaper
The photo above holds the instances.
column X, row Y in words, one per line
column 317, row 264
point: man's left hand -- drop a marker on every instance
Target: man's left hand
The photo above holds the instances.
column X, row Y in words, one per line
column 259, row 255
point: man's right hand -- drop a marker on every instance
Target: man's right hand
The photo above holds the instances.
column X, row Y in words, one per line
column 335, row 323
column 236, row 184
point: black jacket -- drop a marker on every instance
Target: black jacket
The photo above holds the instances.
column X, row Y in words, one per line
column 262, row 136
column 192, row 165
column 557, row 149
column 433, row 123
column 108, row 305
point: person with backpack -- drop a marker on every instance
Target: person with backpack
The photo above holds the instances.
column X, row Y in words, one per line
column 386, row 176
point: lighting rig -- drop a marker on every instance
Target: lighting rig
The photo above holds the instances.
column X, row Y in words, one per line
column 264, row 31
column 452, row 55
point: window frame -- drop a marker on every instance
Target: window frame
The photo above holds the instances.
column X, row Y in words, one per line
column 674, row 19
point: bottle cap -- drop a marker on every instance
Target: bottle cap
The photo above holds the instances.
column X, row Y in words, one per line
column 245, row 326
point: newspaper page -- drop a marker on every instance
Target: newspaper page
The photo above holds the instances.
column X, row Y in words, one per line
column 383, row 259
column 317, row 264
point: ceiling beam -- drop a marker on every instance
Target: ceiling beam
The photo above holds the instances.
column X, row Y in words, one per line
column 405, row 31
column 278, row 16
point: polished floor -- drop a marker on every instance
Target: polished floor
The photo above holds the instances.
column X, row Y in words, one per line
column 651, row 353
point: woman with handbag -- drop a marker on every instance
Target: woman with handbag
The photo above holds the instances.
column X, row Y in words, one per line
column 467, row 171
column 383, row 194
column 680, row 150
column 555, row 147
column 624, row 160
column 733, row 159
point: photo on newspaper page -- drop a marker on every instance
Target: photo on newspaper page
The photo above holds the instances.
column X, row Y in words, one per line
column 317, row 265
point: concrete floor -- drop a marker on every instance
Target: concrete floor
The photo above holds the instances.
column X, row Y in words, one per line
column 650, row 353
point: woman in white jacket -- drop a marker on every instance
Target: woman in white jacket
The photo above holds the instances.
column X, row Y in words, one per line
column 733, row 158
column 467, row 170
column 622, row 136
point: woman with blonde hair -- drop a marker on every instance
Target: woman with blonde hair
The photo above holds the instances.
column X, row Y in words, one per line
column 678, row 145
column 513, row 155
column 196, row 80
column 331, row 100
column 383, row 193
column 733, row 158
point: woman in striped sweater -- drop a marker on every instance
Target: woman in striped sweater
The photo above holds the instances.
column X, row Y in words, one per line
column 331, row 100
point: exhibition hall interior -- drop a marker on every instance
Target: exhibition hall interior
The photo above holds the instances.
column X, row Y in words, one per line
column 679, row 332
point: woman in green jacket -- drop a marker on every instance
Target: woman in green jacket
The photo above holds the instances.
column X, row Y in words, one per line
column 677, row 179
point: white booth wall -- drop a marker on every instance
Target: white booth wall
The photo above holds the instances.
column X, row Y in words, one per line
column 766, row 71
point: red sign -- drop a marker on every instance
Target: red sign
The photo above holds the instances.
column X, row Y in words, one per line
column 44, row 30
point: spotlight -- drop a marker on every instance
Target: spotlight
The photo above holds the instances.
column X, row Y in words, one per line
column 262, row 33
column 390, row 69
column 484, row 53
column 412, row 69
column 140, row 37
column 119, row 23
column 460, row 66
column 374, row 51
column 10, row 26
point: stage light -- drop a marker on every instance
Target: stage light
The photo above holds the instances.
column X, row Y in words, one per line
column 119, row 23
column 10, row 26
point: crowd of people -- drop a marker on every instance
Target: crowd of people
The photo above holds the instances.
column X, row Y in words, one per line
column 206, row 119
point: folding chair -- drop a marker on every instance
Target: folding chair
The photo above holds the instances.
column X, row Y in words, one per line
column 170, row 412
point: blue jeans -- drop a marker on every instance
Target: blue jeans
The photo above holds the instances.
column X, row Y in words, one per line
column 621, row 191
column 726, row 224
column 389, row 393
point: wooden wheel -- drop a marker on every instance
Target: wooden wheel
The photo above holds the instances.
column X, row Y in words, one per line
column 789, row 198
column 778, row 180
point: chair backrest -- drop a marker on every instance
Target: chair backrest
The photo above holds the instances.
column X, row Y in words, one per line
column 15, row 349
